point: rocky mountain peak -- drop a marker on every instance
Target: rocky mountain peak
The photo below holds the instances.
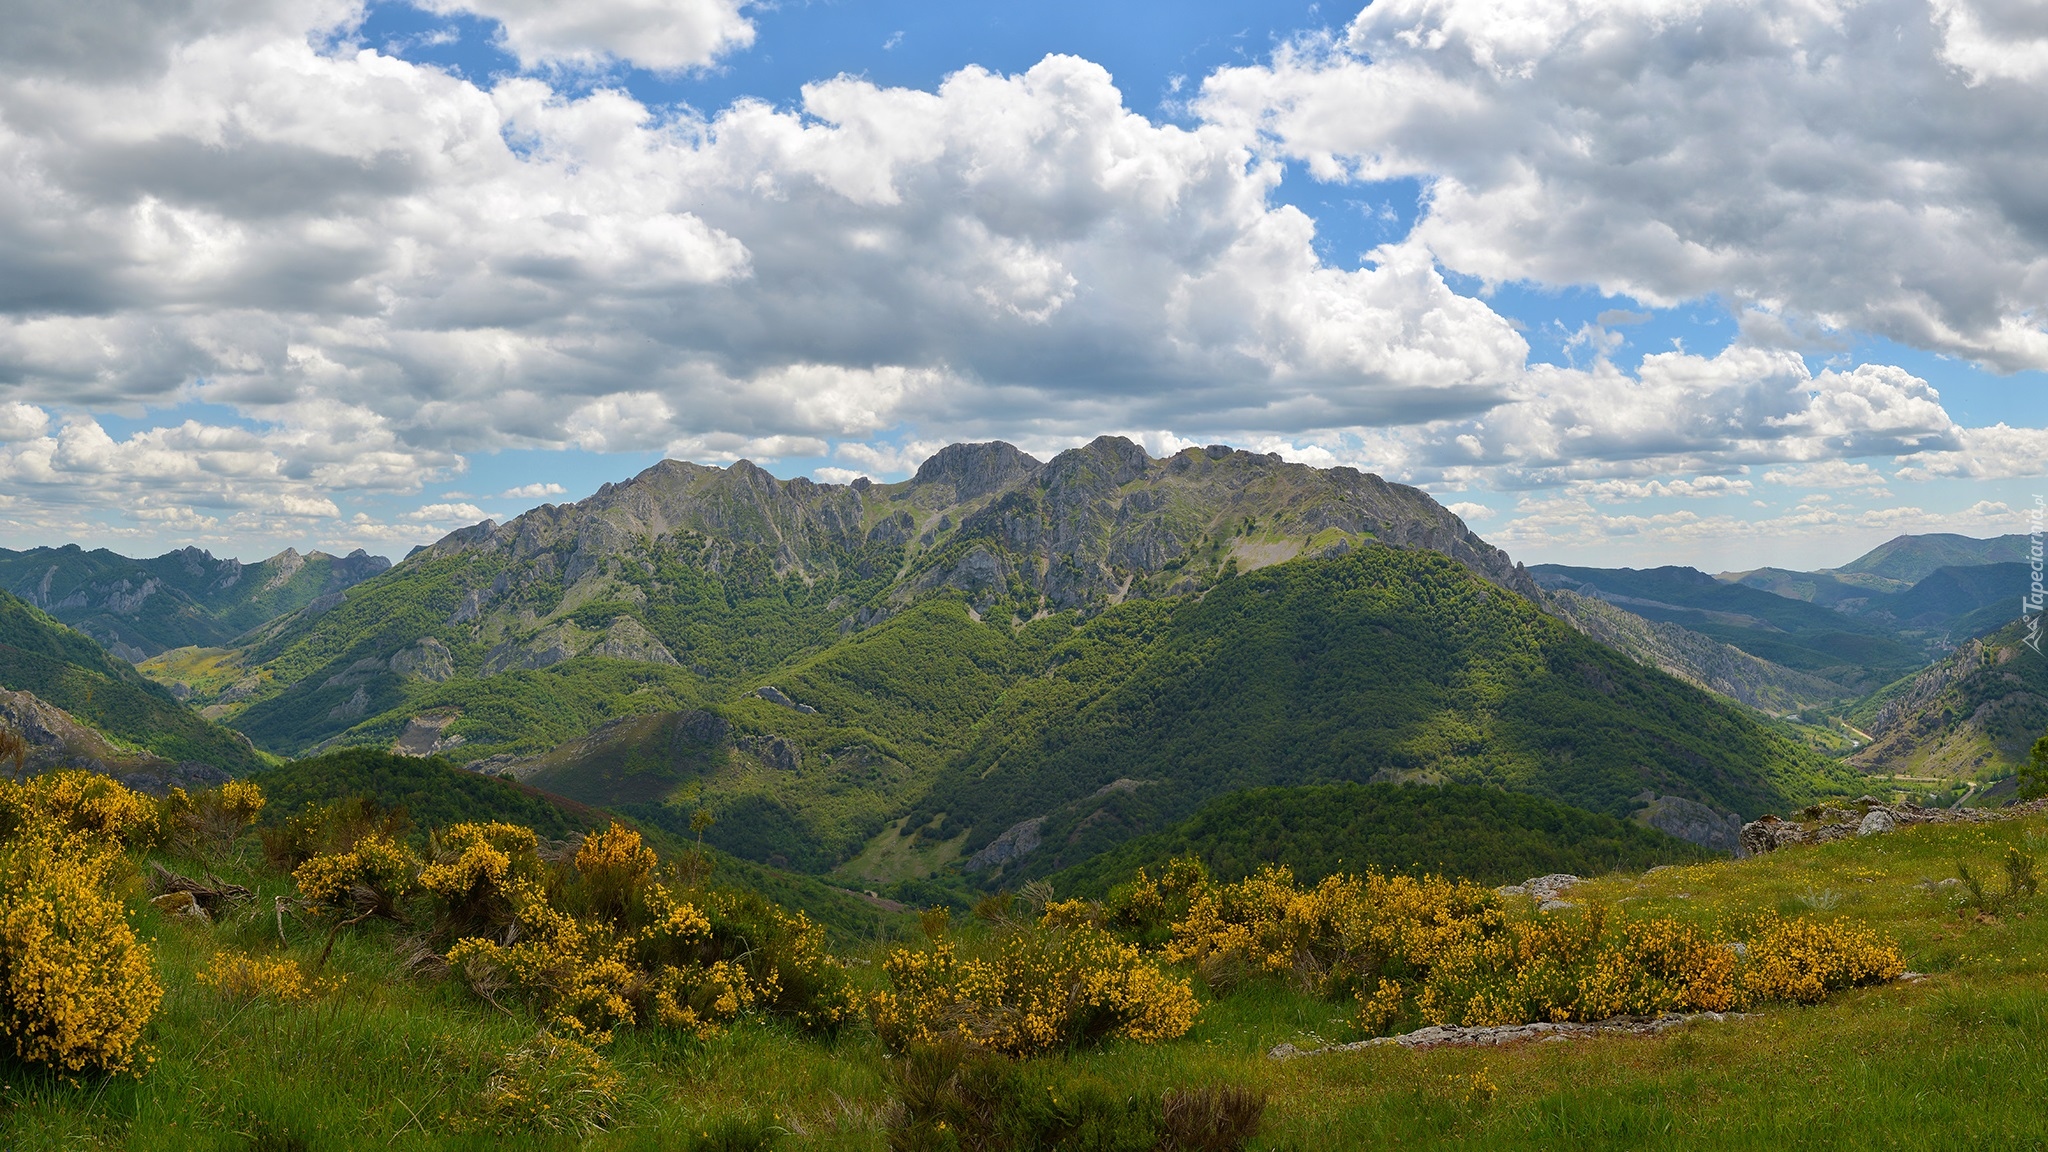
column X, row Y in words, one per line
column 975, row 470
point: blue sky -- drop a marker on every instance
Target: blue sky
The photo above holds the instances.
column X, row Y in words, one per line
column 345, row 276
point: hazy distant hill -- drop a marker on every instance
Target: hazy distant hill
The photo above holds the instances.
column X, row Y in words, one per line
column 1860, row 655
column 1697, row 659
column 66, row 670
column 138, row 608
column 1914, row 558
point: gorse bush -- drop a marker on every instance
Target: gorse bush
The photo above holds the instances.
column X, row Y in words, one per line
column 1804, row 960
column 1570, row 967
column 595, row 938
column 77, row 987
column 242, row 977
column 1029, row 988
column 208, row 823
column 85, row 803
column 1347, row 933
column 1451, row 952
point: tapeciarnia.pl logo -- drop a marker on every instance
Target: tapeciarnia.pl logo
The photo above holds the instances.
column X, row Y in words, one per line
column 2031, row 603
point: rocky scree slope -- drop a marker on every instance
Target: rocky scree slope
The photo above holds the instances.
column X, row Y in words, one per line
column 1976, row 713
column 689, row 581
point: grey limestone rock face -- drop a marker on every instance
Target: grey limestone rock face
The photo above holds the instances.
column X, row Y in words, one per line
column 975, row 470
column 546, row 648
column 628, row 639
column 774, row 695
column 1019, row 840
column 429, row 660
column 1876, row 821
column 1692, row 821
column 352, row 708
column 355, row 673
column 699, row 729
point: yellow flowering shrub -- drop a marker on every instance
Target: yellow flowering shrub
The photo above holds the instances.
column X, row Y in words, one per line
column 374, row 875
column 1562, row 968
column 1033, row 988
column 238, row 976
column 576, row 971
column 614, row 867
column 1449, row 953
column 241, row 800
column 76, row 985
column 210, row 821
column 77, row 801
column 1344, row 933
column 701, row 1001
column 1804, row 960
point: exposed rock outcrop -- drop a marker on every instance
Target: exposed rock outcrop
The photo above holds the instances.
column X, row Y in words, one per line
column 775, row 695
column 1821, row 824
column 1019, row 840
column 778, row 752
column 1454, row 1036
column 1691, row 821
column 429, row 660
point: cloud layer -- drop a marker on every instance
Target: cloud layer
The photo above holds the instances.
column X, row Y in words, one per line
column 1870, row 165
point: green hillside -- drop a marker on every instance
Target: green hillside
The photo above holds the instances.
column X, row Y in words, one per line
column 40, row 655
column 1383, row 664
column 1972, row 716
column 1480, row 834
column 141, row 607
column 433, row 792
column 1914, row 558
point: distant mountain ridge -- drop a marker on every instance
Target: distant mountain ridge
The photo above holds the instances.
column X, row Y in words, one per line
column 61, row 682
column 1858, row 655
column 140, row 608
column 1914, row 558
column 1695, row 658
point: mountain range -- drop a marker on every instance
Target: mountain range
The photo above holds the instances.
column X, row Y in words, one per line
column 1004, row 667
column 140, row 608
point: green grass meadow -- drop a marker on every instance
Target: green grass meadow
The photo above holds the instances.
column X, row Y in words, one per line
column 1957, row 1060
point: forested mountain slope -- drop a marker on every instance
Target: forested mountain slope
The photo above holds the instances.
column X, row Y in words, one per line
column 689, row 582
column 66, row 670
column 1381, row 665
column 139, row 608
column 1320, row 830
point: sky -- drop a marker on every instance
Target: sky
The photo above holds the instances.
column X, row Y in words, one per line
column 1724, row 283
